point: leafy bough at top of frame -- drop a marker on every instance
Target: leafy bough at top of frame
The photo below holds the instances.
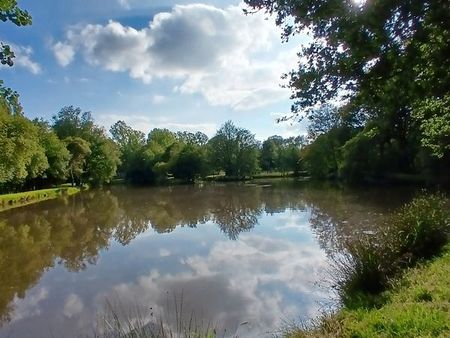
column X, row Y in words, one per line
column 10, row 12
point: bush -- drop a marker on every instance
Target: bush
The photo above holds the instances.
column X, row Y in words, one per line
column 422, row 227
column 418, row 230
column 361, row 270
column 361, row 157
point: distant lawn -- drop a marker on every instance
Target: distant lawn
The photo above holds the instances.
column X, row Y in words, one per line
column 417, row 306
column 273, row 174
column 265, row 174
column 10, row 201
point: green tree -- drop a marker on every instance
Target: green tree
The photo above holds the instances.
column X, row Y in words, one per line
column 359, row 48
column 270, row 153
column 99, row 164
column 162, row 147
column 234, row 150
column 322, row 120
column 21, row 155
column 158, row 141
column 289, row 158
column 281, row 154
column 318, row 160
column 126, row 137
column 79, row 150
column 102, row 162
column 55, row 151
column 131, row 144
column 433, row 116
column 190, row 163
column 197, row 138
column 72, row 122
column 361, row 158
column 387, row 60
column 9, row 100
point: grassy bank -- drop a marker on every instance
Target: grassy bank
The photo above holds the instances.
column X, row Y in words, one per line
column 394, row 283
column 417, row 305
column 262, row 175
column 10, row 201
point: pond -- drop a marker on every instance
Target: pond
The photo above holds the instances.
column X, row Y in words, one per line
column 245, row 259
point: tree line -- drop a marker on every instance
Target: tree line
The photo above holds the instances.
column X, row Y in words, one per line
column 73, row 148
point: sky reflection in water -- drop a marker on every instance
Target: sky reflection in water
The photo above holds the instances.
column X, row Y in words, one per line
column 231, row 254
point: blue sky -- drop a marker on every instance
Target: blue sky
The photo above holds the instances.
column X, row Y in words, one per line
column 180, row 65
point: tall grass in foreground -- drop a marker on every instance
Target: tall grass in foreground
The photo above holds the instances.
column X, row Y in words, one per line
column 371, row 264
column 138, row 322
column 416, row 305
column 417, row 231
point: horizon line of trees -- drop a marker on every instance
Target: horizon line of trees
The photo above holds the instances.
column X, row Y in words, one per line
column 72, row 148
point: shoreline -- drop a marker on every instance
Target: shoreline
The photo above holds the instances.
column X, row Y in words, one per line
column 16, row 200
column 416, row 304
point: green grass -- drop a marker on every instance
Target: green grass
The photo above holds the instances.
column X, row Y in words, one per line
column 386, row 287
column 10, row 201
column 368, row 263
column 417, row 305
column 265, row 174
column 273, row 174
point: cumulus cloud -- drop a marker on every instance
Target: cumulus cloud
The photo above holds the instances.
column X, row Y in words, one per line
column 164, row 253
column 124, row 3
column 31, row 305
column 64, row 53
column 157, row 99
column 145, row 123
column 229, row 58
column 73, row 305
column 255, row 280
column 24, row 59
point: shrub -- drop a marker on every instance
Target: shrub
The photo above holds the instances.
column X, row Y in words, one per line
column 361, row 270
column 422, row 227
column 418, row 230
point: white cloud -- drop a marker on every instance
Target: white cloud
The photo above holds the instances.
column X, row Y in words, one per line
column 64, row 53
column 251, row 280
column 145, row 123
column 73, row 305
column 157, row 99
column 289, row 128
column 229, row 58
column 24, row 60
column 124, row 3
column 29, row 306
column 164, row 253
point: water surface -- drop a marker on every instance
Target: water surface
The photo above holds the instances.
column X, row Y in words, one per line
column 246, row 258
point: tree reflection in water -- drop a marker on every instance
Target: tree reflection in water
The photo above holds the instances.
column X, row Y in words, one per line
column 73, row 231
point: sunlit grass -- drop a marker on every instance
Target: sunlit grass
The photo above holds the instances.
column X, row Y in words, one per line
column 9, row 201
column 418, row 305
column 417, row 231
column 377, row 301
